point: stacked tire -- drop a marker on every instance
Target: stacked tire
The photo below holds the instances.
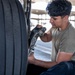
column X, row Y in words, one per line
column 13, row 38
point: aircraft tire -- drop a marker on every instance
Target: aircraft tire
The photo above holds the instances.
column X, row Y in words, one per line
column 13, row 38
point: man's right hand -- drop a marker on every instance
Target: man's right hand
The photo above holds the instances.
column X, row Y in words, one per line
column 39, row 26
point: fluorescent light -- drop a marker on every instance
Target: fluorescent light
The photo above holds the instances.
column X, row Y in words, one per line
column 73, row 8
column 39, row 5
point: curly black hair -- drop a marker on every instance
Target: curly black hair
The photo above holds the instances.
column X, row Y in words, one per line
column 59, row 8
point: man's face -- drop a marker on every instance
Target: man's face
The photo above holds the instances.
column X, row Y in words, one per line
column 57, row 21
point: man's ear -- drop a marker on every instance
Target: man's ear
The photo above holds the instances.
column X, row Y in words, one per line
column 66, row 17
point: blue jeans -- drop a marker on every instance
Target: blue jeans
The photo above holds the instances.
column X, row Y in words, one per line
column 63, row 68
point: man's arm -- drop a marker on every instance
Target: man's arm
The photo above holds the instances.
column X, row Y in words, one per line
column 63, row 56
column 44, row 64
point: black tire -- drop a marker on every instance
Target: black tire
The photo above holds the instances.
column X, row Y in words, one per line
column 13, row 38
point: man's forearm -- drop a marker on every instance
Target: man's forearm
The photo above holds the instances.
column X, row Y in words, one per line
column 41, row 63
column 45, row 64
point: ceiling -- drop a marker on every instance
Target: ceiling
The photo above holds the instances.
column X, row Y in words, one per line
column 72, row 1
column 38, row 11
column 33, row 1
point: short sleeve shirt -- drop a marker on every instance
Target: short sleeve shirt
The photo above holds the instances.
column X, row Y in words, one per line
column 64, row 40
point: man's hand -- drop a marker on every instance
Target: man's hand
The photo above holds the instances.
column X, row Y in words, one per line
column 39, row 26
column 31, row 59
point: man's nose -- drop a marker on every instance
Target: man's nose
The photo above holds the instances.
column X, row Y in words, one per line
column 51, row 20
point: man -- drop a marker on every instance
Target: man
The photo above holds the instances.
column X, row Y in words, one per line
column 62, row 35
